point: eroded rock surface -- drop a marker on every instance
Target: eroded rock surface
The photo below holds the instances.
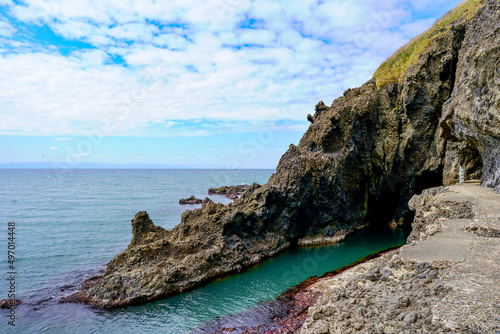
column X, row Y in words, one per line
column 193, row 200
column 228, row 190
column 9, row 303
column 472, row 114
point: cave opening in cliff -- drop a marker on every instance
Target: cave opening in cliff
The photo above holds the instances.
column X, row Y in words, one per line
column 392, row 205
column 385, row 209
column 428, row 179
column 472, row 162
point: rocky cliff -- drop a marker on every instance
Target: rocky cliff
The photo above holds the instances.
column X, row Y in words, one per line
column 359, row 163
column 471, row 115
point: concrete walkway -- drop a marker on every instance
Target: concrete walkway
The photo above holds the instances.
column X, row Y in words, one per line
column 473, row 248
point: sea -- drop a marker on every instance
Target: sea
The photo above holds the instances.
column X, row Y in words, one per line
column 68, row 224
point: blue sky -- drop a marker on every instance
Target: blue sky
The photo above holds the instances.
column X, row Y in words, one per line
column 218, row 83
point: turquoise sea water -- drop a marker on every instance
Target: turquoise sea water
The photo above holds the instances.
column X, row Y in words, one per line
column 70, row 223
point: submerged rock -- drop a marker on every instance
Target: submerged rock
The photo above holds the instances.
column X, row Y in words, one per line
column 359, row 162
column 9, row 303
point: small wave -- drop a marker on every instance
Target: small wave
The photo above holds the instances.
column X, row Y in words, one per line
column 58, row 287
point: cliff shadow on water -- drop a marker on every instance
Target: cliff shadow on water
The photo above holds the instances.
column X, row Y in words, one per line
column 431, row 107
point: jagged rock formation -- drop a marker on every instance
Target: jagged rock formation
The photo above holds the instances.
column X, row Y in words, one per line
column 193, row 200
column 359, row 163
column 231, row 192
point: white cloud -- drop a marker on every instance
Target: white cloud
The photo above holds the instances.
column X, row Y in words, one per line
column 253, row 36
column 80, row 155
column 53, row 148
column 187, row 60
column 177, row 158
column 6, row 29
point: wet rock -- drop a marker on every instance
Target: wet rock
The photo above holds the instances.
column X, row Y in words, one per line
column 9, row 303
column 228, row 190
column 194, row 200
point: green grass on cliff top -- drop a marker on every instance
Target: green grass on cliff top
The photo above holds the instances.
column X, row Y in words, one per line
column 394, row 68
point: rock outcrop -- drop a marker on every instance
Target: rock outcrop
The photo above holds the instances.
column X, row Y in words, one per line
column 9, row 303
column 193, row 200
column 231, row 192
column 359, row 163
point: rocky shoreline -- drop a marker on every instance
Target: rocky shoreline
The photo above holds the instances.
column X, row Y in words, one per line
column 149, row 241
column 231, row 192
column 445, row 279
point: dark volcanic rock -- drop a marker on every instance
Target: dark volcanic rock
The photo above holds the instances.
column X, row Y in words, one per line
column 224, row 190
column 163, row 262
column 9, row 303
column 231, row 192
column 143, row 229
column 472, row 113
column 193, row 200
column 360, row 162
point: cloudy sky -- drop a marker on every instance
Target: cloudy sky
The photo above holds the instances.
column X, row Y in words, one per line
column 222, row 83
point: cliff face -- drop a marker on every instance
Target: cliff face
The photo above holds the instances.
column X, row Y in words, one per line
column 359, row 163
column 471, row 115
